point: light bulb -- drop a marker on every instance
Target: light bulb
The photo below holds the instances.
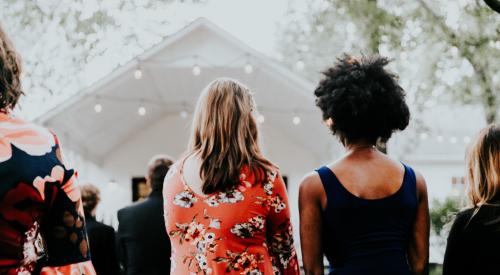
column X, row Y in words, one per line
column 248, row 68
column 98, row 108
column 424, row 136
column 453, row 140
column 466, row 139
column 183, row 114
column 296, row 120
column 141, row 111
column 300, row 65
column 138, row 73
column 196, row 70
column 260, row 119
column 440, row 139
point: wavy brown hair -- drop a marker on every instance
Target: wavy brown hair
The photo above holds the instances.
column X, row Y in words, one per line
column 483, row 166
column 10, row 74
column 225, row 135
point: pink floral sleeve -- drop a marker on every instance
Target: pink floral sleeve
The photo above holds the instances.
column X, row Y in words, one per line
column 280, row 233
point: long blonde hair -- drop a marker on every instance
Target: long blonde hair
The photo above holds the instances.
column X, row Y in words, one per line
column 483, row 166
column 225, row 136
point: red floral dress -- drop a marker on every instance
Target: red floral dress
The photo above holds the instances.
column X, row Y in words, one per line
column 41, row 218
column 245, row 230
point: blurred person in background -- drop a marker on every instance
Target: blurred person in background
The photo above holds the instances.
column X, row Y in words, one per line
column 42, row 224
column 474, row 239
column 366, row 212
column 143, row 245
column 226, row 205
column 101, row 237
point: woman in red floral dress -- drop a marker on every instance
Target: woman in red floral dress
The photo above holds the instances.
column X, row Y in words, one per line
column 42, row 228
column 226, row 206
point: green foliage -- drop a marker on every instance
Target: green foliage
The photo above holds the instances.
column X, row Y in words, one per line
column 444, row 51
column 66, row 45
column 442, row 214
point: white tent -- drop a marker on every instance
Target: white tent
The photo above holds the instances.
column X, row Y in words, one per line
column 111, row 129
column 107, row 139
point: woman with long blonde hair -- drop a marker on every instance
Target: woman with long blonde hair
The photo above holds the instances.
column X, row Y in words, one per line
column 474, row 238
column 226, row 206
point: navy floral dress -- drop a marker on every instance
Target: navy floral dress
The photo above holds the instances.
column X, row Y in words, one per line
column 42, row 227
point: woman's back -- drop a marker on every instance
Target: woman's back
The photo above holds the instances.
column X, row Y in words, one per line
column 473, row 242
column 368, row 224
column 245, row 230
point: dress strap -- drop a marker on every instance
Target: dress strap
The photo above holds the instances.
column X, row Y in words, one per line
column 410, row 180
column 330, row 182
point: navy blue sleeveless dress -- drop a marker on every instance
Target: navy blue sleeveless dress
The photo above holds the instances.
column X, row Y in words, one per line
column 365, row 236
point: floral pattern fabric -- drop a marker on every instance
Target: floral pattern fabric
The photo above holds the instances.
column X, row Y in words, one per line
column 245, row 230
column 41, row 216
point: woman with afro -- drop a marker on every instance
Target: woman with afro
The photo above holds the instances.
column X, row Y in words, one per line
column 367, row 213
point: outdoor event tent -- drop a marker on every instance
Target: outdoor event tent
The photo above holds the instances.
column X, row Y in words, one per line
column 111, row 129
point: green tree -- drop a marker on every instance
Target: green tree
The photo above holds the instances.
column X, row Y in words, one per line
column 63, row 43
column 444, row 52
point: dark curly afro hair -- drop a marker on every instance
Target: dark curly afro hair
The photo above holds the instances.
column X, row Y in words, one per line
column 363, row 99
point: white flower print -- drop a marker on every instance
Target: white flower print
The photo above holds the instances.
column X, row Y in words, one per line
column 232, row 196
column 268, row 188
column 248, row 229
column 214, row 223
column 257, row 222
column 254, row 272
column 271, row 176
column 185, row 199
column 212, row 201
column 243, row 230
column 209, row 238
column 279, row 207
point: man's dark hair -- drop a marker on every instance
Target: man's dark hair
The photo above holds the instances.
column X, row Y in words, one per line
column 91, row 196
column 363, row 99
column 157, row 170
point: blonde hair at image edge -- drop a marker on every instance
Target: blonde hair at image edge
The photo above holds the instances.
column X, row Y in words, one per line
column 483, row 166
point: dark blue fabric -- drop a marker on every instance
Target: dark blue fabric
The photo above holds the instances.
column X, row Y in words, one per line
column 363, row 236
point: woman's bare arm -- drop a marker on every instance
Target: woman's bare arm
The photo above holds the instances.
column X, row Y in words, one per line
column 312, row 199
column 419, row 243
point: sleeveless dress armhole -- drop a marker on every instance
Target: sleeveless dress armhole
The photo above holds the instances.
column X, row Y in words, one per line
column 410, row 180
column 327, row 179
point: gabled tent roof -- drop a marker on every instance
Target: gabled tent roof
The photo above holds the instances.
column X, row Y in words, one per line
column 169, row 87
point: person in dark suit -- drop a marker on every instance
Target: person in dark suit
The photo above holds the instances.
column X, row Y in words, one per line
column 143, row 243
column 101, row 236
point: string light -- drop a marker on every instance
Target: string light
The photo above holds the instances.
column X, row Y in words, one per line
column 196, row 67
column 260, row 119
column 183, row 114
column 98, row 108
column 196, row 70
column 300, row 65
column 440, row 139
column 141, row 111
column 424, row 136
column 296, row 120
column 453, row 140
column 138, row 73
column 248, row 68
column 466, row 139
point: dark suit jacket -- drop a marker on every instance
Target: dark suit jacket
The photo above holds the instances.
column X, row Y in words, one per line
column 102, row 247
column 143, row 243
